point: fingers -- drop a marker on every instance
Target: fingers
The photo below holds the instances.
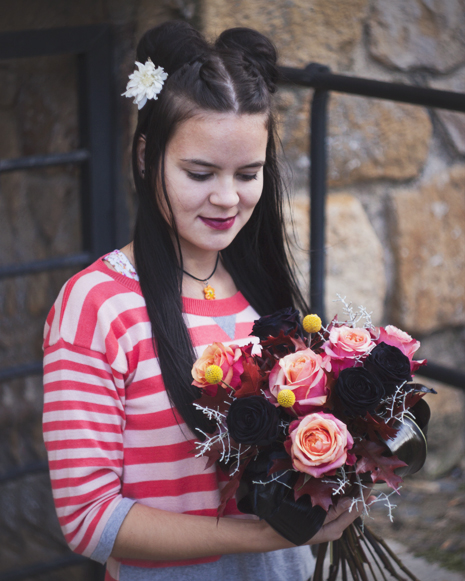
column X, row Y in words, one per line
column 339, row 517
column 336, row 510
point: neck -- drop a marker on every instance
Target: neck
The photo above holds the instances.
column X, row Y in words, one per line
column 200, row 263
column 202, row 267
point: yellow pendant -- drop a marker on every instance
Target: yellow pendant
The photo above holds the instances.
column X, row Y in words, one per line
column 209, row 292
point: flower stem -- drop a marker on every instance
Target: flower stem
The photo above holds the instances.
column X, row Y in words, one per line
column 227, row 385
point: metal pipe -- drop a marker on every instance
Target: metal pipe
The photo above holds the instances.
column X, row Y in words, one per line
column 9, row 373
column 318, row 120
column 314, row 76
column 452, row 377
column 22, row 471
column 33, row 161
column 43, row 265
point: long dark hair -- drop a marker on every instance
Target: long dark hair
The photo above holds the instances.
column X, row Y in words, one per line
column 236, row 74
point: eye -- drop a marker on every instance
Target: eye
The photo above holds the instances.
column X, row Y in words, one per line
column 246, row 177
column 199, row 177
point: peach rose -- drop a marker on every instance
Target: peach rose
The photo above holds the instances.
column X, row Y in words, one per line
column 318, row 444
column 346, row 345
column 393, row 336
column 229, row 358
column 304, row 373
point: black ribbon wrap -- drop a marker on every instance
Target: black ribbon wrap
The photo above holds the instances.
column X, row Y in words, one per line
column 295, row 520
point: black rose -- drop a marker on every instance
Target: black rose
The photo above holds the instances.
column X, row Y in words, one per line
column 253, row 420
column 285, row 320
column 359, row 391
column 390, row 365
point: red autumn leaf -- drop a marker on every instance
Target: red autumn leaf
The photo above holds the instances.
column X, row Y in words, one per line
column 280, row 464
column 229, row 490
column 381, row 468
column 299, row 344
column 283, row 344
column 331, row 402
column 219, row 402
column 213, row 455
column 320, row 492
column 374, row 427
column 251, row 379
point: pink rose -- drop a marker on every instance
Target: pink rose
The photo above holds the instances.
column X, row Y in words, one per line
column 318, row 444
column 229, row 358
column 346, row 345
column 304, row 373
column 393, row 336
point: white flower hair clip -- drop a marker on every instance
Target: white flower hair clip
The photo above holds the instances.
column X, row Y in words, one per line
column 145, row 83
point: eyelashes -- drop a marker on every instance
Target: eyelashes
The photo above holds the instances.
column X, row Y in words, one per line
column 202, row 177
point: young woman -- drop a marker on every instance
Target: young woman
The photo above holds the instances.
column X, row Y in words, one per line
column 120, row 340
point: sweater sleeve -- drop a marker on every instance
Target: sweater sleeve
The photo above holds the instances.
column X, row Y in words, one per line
column 83, row 424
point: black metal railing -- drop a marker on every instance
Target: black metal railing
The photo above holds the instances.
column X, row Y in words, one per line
column 92, row 47
column 319, row 78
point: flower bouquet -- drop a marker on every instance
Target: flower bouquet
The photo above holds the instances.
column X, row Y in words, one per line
column 305, row 415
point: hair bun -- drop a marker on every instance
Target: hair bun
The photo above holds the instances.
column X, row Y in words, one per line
column 171, row 45
column 256, row 48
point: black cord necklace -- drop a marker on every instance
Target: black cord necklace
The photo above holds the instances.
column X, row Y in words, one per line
column 208, row 291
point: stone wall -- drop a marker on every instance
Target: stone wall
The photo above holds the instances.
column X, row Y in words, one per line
column 396, row 208
column 394, row 159
column 395, row 212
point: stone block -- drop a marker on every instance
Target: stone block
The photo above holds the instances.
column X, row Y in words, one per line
column 453, row 123
column 54, row 201
column 417, row 34
column 446, row 434
column 304, row 31
column 10, row 141
column 428, row 242
column 354, row 255
column 37, row 297
column 47, row 108
column 18, row 221
column 372, row 139
column 367, row 139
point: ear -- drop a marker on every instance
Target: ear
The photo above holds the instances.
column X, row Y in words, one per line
column 141, row 155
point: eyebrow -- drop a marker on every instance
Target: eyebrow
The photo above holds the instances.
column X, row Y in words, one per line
column 203, row 163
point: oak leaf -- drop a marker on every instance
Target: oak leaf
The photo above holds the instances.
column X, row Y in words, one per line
column 320, row 491
column 380, row 467
column 280, row 464
column 252, row 379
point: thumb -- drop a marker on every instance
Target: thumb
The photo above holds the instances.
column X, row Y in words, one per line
column 336, row 510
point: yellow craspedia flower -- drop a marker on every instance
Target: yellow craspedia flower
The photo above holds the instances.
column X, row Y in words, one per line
column 213, row 374
column 286, row 398
column 312, row 323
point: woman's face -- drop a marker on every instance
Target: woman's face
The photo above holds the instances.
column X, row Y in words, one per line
column 214, row 177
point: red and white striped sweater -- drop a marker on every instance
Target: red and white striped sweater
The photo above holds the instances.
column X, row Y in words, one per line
column 110, row 432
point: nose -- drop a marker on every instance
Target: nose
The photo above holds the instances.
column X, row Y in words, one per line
column 225, row 194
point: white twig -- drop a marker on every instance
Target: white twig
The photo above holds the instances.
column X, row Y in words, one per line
column 276, row 478
column 385, row 498
column 342, row 481
column 354, row 317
